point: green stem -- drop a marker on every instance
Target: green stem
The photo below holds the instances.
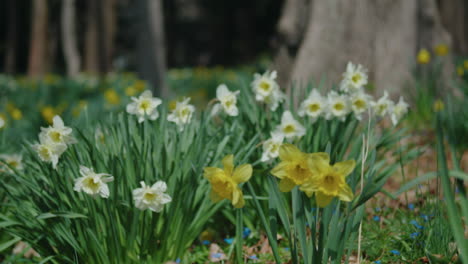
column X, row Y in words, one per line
column 239, row 225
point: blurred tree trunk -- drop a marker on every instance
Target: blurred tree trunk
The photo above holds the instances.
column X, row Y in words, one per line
column 151, row 45
column 382, row 35
column 453, row 16
column 107, row 28
column 38, row 42
column 91, row 55
column 69, row 39
column 12, row 38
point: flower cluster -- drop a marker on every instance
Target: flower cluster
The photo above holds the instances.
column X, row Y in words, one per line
column 267, row 90
column 313, row 174
column 54, row 141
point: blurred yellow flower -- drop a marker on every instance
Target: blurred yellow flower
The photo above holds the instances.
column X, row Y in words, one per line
column 224, row 182
column 139, row 85
column 438, row 105
column 465, row 64
column 130, row 91
column 460, row 71
column 112, row 97
column 16, row 114
column 48, row 112
column 424, row 56
column 51, row 79
column 441, row 50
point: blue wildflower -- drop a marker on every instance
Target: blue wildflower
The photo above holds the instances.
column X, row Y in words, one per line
column 415, row 223
column 216, row 255
column 377, row 209
column 411, row 206
column 246, row 232
column 378, row 262
column 253, row 257
column 206, row 242
column 229, row 240
column 287, row 249
column 414, row 235
column 394, row 251
column 376, row 218
column 177, row 260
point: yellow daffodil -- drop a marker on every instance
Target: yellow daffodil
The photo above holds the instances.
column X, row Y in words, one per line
column 328, row 181
column 460, row 71
column 130, row 91
column 112, row 97
column 16, row 114
column 465, row 64
column 294, row 167
column 438, row 105
column 424, row 57
column 441, row 50
column 224, row 182
column 139, row 85
column 48, row 112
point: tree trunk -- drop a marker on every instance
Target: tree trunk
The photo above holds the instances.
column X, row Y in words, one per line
column 69, row 39
column 151, row 46
column 12, row 38
column 455, row 21
column 107, row 26
column 382, row 35
column 91, row 56
column 38, row 46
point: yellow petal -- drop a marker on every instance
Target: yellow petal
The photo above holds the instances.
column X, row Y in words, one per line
column 319, row 164
column 242, row 173
column 346, row 194
column 280, row 170
column 211, row 173
column 344, row 168
column 215, row 197
column 238, row 198
column 322, row 199
column 309, row 188
column 289, row 152
column 286, row 185
column 228, row 164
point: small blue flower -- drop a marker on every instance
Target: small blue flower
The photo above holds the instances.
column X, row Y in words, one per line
column 414, row 235
column 377, row 209
column 378, row 262
column 253, row 257
column 246, row 232
column 216, row 255
column 415, row 223
column 394, row 251
column 287, row 249
column 177, row 260
column 206, row 242
column 229, row 240
column 411, row 206
column 425, row 217
column 376, row 218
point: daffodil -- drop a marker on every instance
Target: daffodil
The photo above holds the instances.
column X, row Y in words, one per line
column 465, row 64
column 354, row 78
column 267, row 90
column 93, row 183
column 289, row 127
column 460, row 71
column 328, row 181
column 227, row 100
column 294, row 168
column 58, row 133
column 48, row 113
column 10, row 162
column 224, row 182
column 182, row 113
column 360, row 102
column 383, row 106
column 399, row 110
column 272, row 146
column 112, row 97
column 438, row 105
column 145, row 106
column 48, row 151
column 424, row 57
column 151, row 197
column 338, row 106
column 441, row 50
column 313, row 106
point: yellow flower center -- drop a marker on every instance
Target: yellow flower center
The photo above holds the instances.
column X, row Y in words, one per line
column 13, row 164
column 356, row 78
column 89, row 183
column 314, row 107
column 300, row 174
column 184, row 112
column 338, row 106
column 44, row 152
column 331, row 184
column 229, row 103
column 265, row 86
column 289, row 129
column 382, row 108
column 359, row 104
column 149, row 196
column 144, row 105
column 55, row 136
column 223, row 187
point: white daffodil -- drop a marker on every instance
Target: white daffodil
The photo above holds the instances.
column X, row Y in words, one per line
column 227, row 100
column 93, row 183
column 2, row 122
column 48, row 151
column 145, row 106
column 152, row 198
column 313, row 106
column 289, row 127
column 182, row 113
column 354, row 78
column 267, row 90
column 271, row 146
column 338, row 106
column 383, row 106
column 360, row 102
column 58, row 133
column 10, row 162
column 399, row 110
